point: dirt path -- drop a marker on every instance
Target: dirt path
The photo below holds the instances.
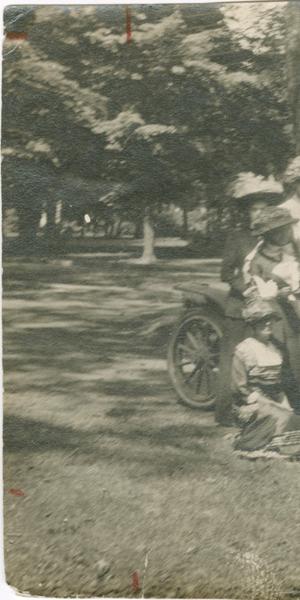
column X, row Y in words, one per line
column 115, row 473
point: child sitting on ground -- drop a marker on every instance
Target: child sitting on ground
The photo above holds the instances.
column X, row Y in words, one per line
column 261, row 404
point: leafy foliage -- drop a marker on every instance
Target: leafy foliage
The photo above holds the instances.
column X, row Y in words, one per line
column 197, row 96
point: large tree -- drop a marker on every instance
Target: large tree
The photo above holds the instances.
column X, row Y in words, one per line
column 293, row 66
column 195, row 96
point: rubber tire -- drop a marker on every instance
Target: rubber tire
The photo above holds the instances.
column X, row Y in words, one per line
column 211, row 316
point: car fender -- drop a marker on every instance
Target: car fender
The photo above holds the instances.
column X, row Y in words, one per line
column 214, row 296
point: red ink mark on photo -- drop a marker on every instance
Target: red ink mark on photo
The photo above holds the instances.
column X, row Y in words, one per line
column 128, row 24
column 16, row 492
column 135, row 581
column 16, row 35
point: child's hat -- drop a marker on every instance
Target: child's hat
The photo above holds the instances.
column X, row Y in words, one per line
column 257, row 310
column 272, row 217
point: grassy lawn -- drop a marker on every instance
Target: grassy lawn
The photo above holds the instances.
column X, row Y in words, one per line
column 117, row 477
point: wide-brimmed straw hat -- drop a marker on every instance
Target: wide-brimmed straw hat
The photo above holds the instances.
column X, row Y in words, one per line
column 272, row 217
column 248, row 186
column 259, row 310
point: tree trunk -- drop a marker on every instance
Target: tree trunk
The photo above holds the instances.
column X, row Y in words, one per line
column 293, row 65
column 43, row 220
column 58, row 212
column 50, row 226
column 53, row 213
column 117, row 227
column 148, row 255
column 185, row 223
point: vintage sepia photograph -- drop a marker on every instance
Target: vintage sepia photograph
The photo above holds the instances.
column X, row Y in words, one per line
column 151, row 300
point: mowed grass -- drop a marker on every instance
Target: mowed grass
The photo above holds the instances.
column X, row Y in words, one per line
column 111, row 466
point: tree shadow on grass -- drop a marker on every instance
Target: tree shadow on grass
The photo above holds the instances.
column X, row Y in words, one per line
column 61, row 361
column 156, row 450
column 132, row 388
column 46, row 343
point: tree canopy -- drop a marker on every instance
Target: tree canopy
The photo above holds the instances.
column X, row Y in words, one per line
column 198, row 95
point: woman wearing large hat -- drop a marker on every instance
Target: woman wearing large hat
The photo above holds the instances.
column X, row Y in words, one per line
column 250, row 194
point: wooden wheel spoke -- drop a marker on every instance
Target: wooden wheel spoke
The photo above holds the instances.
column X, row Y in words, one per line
column 191, row 375
column 186, row 349
column 199, row 379
column 203, row 381
column 193, row 340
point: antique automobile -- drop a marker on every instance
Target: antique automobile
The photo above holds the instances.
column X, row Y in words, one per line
column 194, row 347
